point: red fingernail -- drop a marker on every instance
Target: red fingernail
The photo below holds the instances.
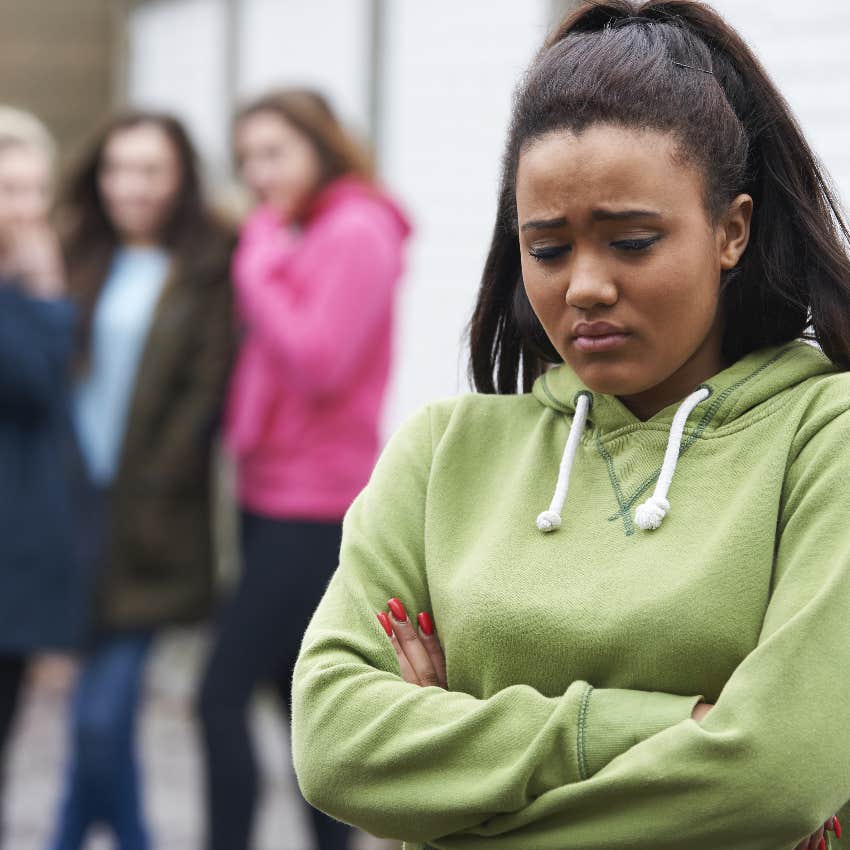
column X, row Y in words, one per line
column 384, row 620
column 398, row 609
column 836, row 825
column 822, row 844
column 425, row 622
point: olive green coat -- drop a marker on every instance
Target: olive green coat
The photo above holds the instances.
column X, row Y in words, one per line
column 159, row 567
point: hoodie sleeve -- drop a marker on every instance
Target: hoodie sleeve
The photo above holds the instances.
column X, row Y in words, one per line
column 408, row 762
column 319, row 336
column 36, row 340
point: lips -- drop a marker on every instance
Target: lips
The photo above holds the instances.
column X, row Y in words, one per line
column 597, row 329
column 594, row 337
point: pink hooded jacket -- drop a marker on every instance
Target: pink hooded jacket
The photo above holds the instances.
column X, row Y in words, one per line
column 317, row 307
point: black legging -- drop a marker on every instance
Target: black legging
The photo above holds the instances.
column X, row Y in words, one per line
column 12, row 669
column 287, row 566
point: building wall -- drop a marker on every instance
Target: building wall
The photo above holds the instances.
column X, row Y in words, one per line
column 58, row 59
column 324, row 44
column 448, row 70
column 450, row 75
column 176, row 61
column 808, row 56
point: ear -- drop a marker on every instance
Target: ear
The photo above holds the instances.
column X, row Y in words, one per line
column 733, row 233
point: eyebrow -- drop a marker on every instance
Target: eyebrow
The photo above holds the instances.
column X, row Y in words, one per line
column 611, row 215
column 596, row 215
column 544, row 224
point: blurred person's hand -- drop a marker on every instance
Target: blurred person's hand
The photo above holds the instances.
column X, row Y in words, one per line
column 32, row 257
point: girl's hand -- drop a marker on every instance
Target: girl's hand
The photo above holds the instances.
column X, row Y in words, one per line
column 33, row 256
column 420, row 656
column 818, row 841
column 700, row 710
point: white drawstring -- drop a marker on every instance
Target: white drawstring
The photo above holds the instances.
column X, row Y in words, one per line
column 551, row 519
column 651, row 513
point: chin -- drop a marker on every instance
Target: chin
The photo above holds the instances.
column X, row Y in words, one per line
column 612, row 378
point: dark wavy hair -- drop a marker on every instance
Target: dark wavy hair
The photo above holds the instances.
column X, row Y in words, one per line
column 677, row 67
column 88, row 237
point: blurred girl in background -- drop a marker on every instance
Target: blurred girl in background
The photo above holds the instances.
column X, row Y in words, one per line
column 149, row 267
column 316, row 272
column 38, row 604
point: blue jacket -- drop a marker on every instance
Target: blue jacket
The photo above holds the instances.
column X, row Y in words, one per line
column 40, row 591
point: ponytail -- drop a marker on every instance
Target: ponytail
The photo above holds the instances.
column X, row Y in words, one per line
column 676, row 66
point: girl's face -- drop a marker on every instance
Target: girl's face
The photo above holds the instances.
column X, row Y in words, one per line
column 279, row 164
column 621, row 261
column 25, row 186
column 139, row 181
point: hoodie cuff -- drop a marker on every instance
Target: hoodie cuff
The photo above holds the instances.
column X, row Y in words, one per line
column 612, row 721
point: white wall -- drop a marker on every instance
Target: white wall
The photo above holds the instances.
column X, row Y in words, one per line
column 808, row 56
column 449, row 70
column 175, row 63
column 322, row 43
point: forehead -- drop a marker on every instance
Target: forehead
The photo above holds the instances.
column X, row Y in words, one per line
column 264, row 126
column 144, row 142
column 605, row 165
column 24, row 163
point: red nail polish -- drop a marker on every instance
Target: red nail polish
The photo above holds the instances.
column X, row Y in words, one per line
column 398, row 609
column 384, row 620
column 836, row 825
column 822, row 844
column 426, row 624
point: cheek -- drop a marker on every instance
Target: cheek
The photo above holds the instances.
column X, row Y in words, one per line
column 285, row 176
column 543, row 292
column 163, row 192
column 308, row 170
column 680, row 295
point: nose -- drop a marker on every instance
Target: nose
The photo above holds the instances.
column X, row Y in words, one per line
column 590, row 284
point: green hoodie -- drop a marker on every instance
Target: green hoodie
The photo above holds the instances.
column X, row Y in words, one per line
column 575, row 657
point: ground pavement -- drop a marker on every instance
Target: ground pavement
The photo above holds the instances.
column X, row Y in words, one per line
column 170, row 755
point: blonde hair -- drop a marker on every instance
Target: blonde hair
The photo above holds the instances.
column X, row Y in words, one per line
column 19, row 128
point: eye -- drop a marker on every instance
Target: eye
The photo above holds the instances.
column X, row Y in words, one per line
column 543, row 255
column 635, row 244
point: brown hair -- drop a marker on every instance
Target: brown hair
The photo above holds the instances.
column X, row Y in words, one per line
column 310, row 113
column 677, row 67
column 89, row 239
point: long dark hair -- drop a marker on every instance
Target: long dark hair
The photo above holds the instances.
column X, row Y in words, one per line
column 309, row 112
column 676, row 66
column 88, row 236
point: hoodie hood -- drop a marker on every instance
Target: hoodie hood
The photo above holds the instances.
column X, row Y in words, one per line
column 717, row 403
column 345, row 190
column 748, row 383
